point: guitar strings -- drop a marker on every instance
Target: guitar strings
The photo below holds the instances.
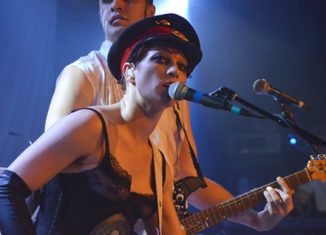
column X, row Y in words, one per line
column 193, row 221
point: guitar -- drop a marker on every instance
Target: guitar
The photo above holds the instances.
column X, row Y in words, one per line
column 200, row 221
column 115, row 224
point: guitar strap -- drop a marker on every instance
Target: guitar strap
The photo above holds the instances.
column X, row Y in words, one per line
column 158, row 172
column 176, row 109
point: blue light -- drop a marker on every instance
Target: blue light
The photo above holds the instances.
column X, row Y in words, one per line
column 170, row 6
column 293, row 140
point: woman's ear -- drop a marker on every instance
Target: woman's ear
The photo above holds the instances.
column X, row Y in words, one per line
column 129, row 72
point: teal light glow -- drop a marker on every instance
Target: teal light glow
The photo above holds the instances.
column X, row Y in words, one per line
column 293, row 140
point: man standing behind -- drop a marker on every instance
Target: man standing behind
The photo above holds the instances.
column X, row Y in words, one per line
column 88, row 81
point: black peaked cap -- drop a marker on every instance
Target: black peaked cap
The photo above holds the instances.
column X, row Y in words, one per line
column 170, row 28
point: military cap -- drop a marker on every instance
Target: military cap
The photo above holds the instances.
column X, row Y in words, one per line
column 168, row 28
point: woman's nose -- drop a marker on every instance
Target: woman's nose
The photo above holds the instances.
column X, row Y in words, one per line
column 173, row 71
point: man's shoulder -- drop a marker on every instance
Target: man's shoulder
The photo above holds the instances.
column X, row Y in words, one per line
column 95, row 60
column 90, row 63
column 92, row 58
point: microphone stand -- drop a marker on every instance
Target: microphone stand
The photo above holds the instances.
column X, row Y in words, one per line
column 310, row 138
column 284, row 120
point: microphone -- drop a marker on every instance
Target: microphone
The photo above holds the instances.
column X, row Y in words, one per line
column 180, row 91
column 262, row 87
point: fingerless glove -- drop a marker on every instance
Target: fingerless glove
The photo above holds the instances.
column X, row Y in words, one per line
column 14, row 216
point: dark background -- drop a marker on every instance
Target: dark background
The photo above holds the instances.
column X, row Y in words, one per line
column 242, row 40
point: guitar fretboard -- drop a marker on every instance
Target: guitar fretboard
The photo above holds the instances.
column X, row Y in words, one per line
column 202, row 220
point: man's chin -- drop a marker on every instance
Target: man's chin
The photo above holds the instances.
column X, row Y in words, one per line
column 114, row 32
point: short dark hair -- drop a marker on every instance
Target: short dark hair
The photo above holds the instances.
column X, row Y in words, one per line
column 141, row 51
column 149, row 2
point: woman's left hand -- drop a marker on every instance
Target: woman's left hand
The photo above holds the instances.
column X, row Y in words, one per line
column 279, row 204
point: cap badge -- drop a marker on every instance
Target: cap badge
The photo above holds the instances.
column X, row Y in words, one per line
column 179, row 35
column 163, row 22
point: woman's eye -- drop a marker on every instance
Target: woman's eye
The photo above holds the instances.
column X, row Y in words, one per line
column 160, row 59
column 183, row 67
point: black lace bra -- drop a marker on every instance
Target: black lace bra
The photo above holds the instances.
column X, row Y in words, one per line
column 75, row 203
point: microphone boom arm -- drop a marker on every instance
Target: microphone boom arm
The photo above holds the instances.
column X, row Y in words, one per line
column 299, row 131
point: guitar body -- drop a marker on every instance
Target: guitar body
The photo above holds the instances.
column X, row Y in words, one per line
column 182, row 189
column 114, row 225
column 200, row 221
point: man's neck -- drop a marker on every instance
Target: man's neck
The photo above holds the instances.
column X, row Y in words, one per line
column 105, row 47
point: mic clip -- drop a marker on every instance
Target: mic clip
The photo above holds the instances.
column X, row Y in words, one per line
column 286, row 111
column 230, row 96
column 225, row 93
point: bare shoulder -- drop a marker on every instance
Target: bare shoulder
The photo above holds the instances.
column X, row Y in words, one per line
column 79, row 125
column 79, row 133
column 85, row 118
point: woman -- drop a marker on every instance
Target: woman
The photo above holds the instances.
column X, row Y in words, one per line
column 96, row 166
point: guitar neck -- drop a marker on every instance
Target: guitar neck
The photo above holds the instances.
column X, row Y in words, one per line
column 202, row 220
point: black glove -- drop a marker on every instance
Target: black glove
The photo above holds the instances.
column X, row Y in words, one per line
column 14, row 216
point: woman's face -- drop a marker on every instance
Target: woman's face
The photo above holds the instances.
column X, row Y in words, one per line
column 156, row 72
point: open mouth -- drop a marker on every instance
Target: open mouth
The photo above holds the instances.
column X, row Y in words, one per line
column 167, row 84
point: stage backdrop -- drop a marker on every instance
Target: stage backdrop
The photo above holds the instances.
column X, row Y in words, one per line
column 242, row 40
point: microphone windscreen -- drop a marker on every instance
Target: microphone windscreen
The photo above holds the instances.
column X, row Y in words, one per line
column 175, row 90
column 261, row 86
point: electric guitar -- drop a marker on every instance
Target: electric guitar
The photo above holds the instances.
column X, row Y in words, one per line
column 200, row 221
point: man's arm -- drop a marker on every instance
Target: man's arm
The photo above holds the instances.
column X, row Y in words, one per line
column 73, row 91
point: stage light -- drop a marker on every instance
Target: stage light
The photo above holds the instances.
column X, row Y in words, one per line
column 179, row 7
column 292, row 140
